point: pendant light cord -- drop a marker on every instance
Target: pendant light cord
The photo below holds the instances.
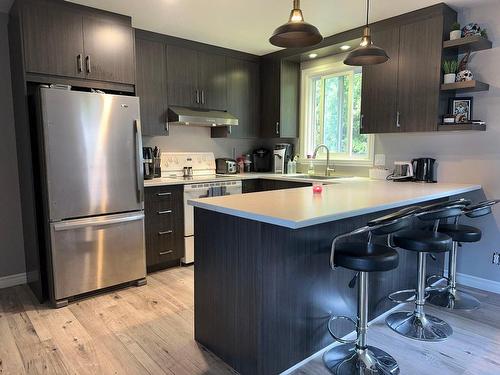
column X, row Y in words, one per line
column 367, row 10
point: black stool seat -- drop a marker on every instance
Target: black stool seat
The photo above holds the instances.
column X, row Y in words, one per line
column 422, row 241
column 364, row 257
column 461, row 233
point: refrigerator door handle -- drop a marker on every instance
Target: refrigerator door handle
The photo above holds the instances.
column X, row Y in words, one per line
column 96, row 222
column 138, row 159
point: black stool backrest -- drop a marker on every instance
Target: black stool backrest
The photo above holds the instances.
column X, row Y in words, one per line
column 480, row 209
column 393, row 222
column 443, row 210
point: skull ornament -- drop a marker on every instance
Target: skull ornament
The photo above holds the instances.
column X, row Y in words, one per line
column 471, row 29
column 464, row 75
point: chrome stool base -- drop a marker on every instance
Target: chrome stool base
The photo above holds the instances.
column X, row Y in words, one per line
column 424, row 327
column 347, row 360
column 456, row 300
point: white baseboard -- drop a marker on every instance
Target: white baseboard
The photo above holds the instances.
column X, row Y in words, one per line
column 478, row 283
column 12, row 280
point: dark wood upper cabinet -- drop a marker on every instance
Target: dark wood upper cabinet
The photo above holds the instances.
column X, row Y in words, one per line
column 52, row 39
column 403, row 94
column 243, row 93
column 182, row 77
column 212, row 81
column 109, row 51
column 63, row 39
column 380, row 87
column 151, row 87
column 420, row 50
column 280, row 87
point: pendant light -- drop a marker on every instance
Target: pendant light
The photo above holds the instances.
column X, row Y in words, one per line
column 367, row 53
column 296, row 32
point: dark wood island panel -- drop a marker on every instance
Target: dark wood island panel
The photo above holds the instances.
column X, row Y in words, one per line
column 264, row 293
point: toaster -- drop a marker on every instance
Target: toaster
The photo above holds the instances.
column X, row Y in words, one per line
column 226, row 166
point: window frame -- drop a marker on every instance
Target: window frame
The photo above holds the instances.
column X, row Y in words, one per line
column 307, row 110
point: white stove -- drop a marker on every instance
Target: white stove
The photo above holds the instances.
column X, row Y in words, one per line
column 205, row 183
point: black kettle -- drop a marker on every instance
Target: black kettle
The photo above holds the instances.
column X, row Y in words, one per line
column 423, row 170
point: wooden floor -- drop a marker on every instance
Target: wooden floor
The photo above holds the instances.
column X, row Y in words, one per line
column 149, row 330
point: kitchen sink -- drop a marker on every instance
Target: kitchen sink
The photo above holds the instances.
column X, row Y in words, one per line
column 320, row 177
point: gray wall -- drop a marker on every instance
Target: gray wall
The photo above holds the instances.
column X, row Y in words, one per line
column 11, row 232
column 469, row 157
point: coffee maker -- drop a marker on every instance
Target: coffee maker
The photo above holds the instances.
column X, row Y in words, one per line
column 283, row 152
column 147, row 162
column 423, row 170
column 262, row 160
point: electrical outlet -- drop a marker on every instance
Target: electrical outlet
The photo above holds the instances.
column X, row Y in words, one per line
column 496, row 259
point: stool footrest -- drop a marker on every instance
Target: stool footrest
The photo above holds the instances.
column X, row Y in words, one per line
column 334, row 335
column 398, row 297
column 434, row 278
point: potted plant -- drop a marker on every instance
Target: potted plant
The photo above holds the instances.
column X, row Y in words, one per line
column 455, row 32
column 450, row 69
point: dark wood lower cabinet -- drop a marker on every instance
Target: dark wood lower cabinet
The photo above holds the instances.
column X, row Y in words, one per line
column 252, row 186
column 164, row 226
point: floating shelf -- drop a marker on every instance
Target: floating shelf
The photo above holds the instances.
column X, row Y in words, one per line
column 460, row 127
column 469, row 43
column 465, row 86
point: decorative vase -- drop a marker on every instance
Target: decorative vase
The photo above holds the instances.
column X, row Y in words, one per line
column 455, row 34
column 449, row 78
column 464, row 75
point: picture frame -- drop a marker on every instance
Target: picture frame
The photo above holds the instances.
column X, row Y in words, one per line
column 461, row 109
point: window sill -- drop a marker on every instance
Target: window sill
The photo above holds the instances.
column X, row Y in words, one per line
column 340, row 162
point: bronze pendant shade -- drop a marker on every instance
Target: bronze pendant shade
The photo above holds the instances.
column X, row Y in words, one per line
column 367, row 53
column 296, row 32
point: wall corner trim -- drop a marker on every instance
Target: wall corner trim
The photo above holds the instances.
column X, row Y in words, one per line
column 478, row 283
column 12, row 280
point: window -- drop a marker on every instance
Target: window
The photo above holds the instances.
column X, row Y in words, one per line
column 331, row 101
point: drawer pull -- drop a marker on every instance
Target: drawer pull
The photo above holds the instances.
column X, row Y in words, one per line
column 161, row 233
column 164, row 212
column 163, row 194
column 166, row 252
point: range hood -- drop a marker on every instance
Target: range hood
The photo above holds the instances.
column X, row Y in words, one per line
column 200, row 117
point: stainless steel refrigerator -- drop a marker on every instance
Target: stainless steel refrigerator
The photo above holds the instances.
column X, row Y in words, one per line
column 92, row 160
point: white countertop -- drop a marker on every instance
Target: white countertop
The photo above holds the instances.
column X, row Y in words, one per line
column 162, row 181
column 297, row 208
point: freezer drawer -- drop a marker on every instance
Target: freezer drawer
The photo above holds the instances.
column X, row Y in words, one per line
column 97, row 252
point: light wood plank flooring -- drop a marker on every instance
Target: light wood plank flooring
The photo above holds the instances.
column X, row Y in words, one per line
column 149, row 330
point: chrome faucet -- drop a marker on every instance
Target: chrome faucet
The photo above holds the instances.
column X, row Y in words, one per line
column 327, row 169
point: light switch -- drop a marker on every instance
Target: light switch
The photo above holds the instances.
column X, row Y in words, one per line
column 380, row 160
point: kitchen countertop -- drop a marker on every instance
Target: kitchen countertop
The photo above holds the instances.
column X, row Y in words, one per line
column 162, row 181
column 344, row 198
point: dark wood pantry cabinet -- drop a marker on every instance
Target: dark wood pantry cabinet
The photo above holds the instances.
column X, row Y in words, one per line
column 63, row 39
column 164, row 226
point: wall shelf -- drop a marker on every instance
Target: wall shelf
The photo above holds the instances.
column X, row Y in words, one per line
column 461, row 127
column 465, row 86
column 469, row 43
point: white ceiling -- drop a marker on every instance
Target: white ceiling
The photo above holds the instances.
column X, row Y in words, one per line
column 247, row 25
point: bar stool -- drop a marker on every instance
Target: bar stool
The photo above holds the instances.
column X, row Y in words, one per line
column 417, row 324
column 355, row 356
column 450, row 297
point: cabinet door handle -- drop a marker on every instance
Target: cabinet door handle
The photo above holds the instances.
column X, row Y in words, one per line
column 163, row 194
column 164, row 212
column 197, row 96
column 87, row 64
column 79, row 62
column 398, row 125
column 202, row 96
column 166, row 252
column 361, row 121
column 161, row 233
column 277, row 127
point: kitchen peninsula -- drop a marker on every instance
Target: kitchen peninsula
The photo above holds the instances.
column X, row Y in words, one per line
column 264, row 290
